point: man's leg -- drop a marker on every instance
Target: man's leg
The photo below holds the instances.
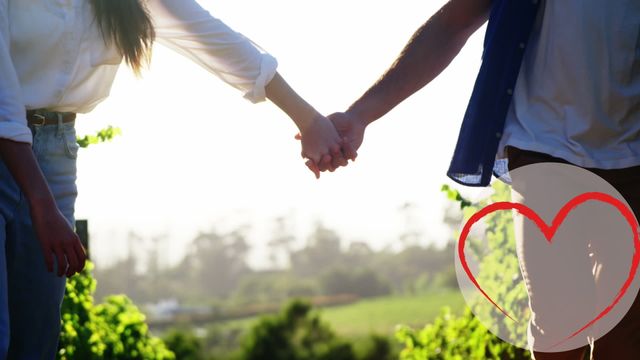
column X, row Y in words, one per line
column 623, row 341
column 552, row 281
column 35, row 295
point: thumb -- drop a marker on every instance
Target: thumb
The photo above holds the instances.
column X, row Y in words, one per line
column 298, row 136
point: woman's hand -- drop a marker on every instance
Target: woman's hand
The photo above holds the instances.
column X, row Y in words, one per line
column 320, row 143
column 57, row 240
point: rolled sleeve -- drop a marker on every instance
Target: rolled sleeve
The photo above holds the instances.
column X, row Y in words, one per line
column 187, row 28
column 13, row 121
column 268, row 66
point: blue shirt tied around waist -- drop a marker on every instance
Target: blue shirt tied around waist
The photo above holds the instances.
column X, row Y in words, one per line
column 508, row 30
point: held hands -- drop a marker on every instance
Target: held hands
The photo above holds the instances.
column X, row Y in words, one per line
column 350, row 133
column 320, row 142
column 58, row 241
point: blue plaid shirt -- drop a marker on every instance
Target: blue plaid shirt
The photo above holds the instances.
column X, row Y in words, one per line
column 508, row 30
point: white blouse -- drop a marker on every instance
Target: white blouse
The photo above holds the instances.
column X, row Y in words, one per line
column 53, row 56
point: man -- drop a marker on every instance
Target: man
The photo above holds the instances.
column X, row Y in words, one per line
column 560, row 81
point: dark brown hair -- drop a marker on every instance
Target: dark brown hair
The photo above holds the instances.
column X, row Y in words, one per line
column 128, row 25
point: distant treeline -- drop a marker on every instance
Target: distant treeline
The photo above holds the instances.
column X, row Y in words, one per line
column 215, row 271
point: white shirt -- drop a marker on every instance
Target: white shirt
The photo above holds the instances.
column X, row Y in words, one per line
column 53, row 56
column 578, row 92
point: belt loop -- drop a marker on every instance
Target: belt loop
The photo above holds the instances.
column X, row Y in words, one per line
column 60, row 125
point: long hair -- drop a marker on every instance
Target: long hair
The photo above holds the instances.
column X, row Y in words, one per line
column 128, row 25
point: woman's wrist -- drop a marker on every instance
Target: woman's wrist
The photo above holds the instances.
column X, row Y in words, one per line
column 305, row 119
column 42, row 204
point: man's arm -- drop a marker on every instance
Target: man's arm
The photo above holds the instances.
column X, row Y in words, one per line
column 429, row 51
column 190, row 30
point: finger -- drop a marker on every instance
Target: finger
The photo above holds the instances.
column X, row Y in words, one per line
column 325, row 163
column 78, row 254
column 81, row 255
column 338, row 157
column 74, row 262
column 348, row 150
column 62, row 262
column 298, row 136
column 313, row 167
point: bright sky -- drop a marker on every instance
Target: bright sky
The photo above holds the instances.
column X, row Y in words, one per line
column 194, row 155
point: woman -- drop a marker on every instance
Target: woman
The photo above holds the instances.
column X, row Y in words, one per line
column 58, row 58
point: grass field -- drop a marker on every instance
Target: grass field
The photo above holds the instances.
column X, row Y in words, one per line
column 381, row 315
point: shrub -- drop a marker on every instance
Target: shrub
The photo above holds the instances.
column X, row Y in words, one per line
column 114, row 330
column 296, row 333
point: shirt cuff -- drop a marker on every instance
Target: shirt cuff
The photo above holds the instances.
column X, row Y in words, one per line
column 15, row 131
column 268, row 66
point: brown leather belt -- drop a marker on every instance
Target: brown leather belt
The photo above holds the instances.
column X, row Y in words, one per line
column 40, row 117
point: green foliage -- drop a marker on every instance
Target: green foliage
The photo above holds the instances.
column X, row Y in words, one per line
column 297, row 333
column 375, row 347
column 113, row 330
column 455, row 338
column 106, row 134
column 499, row 270
column 454, row 195
column 184, row 344
column 452, row 337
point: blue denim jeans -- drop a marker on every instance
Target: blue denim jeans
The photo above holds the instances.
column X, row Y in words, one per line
column 30, row 296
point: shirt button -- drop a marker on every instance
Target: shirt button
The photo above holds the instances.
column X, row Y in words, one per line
column 498, row 135
column 510, row 91
column 534, row 1
column 521, row 45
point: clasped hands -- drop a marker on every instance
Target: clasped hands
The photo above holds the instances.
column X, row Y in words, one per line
column 330, row 142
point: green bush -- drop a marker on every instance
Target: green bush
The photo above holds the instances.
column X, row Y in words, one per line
column 296, row 333
column 184, row 344
column 455, row 338
column 113, row 330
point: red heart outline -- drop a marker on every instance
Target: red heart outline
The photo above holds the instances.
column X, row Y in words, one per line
column 548, row 232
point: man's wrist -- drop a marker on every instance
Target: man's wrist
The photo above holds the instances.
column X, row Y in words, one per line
column 360, row 115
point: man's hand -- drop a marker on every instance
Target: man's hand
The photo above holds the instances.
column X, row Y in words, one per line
column 351, row 130
column 58, row 240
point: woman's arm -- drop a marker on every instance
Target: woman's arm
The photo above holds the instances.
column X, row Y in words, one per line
column 54, row 233
column 184, row 26
column 57, row 238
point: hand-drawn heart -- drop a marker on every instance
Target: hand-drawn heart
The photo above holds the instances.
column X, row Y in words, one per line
column 548, row 232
